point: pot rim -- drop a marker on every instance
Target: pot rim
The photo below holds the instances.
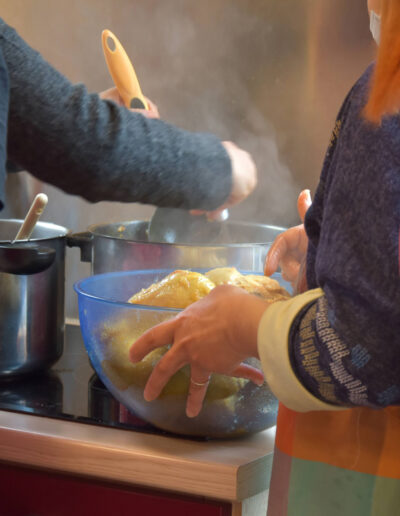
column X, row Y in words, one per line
column 92, row 229
column 79, row 287
column 59, row 231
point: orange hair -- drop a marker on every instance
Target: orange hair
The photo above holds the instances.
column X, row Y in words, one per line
column 384, row 98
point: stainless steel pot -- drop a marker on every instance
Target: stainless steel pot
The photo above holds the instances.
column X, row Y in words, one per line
column 125, row 246
column 32, row 276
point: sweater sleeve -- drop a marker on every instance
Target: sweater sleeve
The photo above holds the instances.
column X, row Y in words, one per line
column 90, row 147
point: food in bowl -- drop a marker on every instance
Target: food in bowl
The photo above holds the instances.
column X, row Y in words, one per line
column 178, row 289
column 181, row 288
column 110, row 325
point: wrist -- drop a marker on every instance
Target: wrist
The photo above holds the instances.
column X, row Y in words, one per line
column 251, row 312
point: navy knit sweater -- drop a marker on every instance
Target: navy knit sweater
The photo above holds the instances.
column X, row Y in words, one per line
column 345, row 348
column 93, row 148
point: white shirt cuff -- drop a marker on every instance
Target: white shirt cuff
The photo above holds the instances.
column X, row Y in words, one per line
column 273, row 349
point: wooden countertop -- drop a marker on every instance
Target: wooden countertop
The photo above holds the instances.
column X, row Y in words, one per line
column 226, row 470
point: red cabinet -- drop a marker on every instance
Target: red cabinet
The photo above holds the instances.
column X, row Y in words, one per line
column 28, row 492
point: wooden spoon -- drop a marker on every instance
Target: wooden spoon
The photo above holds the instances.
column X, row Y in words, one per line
column 35, row 211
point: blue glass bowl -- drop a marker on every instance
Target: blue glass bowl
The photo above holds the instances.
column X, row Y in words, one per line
column 110, row 325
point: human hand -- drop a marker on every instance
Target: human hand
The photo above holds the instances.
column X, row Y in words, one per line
column 112, row 94
column 244, row 179
column 289, row 249
column 213, row 335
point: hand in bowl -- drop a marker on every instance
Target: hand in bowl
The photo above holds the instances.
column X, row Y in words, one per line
column 213, row 335
column 290, row 248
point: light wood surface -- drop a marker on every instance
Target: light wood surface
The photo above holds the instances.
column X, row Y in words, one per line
column 231, row 470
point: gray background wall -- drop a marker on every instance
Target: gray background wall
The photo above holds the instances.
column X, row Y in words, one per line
column 267, row 74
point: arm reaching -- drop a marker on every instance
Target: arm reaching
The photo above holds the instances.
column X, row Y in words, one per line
column 91, row 147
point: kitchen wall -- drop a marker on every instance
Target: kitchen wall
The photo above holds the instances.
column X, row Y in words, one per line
column 267, row 74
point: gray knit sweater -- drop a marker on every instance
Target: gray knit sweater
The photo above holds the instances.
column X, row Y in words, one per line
column 93, row 148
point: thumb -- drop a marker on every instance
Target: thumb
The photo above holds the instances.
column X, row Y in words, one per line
column 303, row 203
column 278, row 249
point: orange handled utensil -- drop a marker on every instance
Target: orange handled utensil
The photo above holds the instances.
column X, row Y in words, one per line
column 122, row 72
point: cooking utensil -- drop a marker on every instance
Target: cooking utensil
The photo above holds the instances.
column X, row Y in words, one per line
column 125, row 246
column 109, row 325
column 32, row 298
column 122, row 71
column 35, row 211
column 170, row 225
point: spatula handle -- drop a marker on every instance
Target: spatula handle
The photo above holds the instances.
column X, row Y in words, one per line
column 122, row 71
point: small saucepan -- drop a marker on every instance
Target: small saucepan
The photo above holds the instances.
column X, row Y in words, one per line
column 32, row 297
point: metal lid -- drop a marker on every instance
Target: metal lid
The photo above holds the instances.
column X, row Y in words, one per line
column 42, row 231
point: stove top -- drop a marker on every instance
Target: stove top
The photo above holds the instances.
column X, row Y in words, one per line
column 70, row 390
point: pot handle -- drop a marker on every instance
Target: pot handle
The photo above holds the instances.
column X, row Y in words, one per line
column 23, row 259
column 84, row 241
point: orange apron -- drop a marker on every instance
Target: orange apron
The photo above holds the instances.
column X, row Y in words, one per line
column 344, row 463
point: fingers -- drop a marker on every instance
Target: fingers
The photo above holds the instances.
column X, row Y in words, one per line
column 166, row 367
column 290, row 271
column 112, row 94
column 156, row 337
column 146, row 113
column 300, row 285
column 249, row 373
column 303, row 203
column 219, row 215
column 152, row 108
column 151, row 112
column 200, row 380
column 173, row 360
column 244, row 174
column 198, row 385
column 277, row 251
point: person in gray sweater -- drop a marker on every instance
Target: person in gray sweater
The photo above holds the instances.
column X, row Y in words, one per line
column 92, row 147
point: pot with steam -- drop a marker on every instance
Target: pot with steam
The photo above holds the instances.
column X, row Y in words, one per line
column 126, row 246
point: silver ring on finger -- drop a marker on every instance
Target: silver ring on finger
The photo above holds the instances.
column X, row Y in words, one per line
column 199, row 384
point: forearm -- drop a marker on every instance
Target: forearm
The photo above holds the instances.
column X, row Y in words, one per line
column 87, row 146
column 358, row 366
column 274, row 339
column 311, row 367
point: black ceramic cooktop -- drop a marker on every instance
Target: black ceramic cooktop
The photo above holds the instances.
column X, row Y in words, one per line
column 70, row 390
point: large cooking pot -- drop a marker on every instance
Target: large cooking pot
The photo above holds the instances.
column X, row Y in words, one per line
column 31, row 298
column 125, row 246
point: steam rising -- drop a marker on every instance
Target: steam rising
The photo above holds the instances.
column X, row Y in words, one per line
column 212, row 67
column 239, row 68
